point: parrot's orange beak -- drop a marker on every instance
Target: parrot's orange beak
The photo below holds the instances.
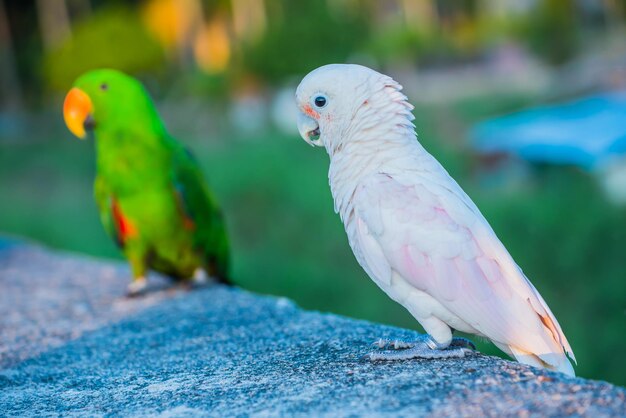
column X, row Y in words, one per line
column 77, row 110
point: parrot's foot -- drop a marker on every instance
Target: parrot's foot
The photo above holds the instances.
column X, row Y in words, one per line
column 137, row 287
column 200, row 278
column 425, row 348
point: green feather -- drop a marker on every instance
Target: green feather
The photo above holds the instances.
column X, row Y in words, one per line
column 150, row 191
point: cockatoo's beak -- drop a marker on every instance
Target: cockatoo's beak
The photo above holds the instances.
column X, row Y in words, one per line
column 309, row 130
column 77, row 110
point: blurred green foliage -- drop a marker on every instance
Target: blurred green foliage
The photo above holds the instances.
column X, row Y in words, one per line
column 311, row 34
column 553, row 30
column 112, row 37
column 303, row 35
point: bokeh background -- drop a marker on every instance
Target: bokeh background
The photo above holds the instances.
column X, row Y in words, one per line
column 223, row 74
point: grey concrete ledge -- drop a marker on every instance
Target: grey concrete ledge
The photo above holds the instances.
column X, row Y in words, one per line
column 71, row 345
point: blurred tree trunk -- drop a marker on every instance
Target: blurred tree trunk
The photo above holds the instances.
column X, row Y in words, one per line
column 249, row 19
column 54, row 22
column 192, row 23
column 420, row 15
column 10, row 88
column 614, row 12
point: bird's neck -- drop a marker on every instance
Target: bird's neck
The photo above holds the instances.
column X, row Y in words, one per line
column 128, row 156
column 370, row 150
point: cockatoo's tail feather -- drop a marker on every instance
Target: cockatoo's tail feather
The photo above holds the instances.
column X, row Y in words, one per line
column 410, row 225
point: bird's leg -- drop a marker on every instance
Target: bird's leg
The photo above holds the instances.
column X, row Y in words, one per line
column 200, row 277
column 137, row 287
column 462, row 342
column 425, row 347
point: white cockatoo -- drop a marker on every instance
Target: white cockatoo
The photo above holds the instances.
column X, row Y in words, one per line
column 415, row 231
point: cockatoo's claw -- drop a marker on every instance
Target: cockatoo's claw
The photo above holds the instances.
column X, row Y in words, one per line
column 425, row 348
column 137, row 287
column 418, row 351
column 463, row 343
column 393, row 344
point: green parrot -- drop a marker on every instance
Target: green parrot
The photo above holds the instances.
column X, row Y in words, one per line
column 152, row 198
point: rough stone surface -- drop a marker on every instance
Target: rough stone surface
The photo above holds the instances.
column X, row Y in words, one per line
column 225, row 352
column 47, row 299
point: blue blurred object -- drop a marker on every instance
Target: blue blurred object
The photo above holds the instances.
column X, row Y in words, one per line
column 584, row 132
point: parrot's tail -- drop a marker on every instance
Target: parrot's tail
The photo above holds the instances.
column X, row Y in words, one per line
column 558, row 362
column 220, row 271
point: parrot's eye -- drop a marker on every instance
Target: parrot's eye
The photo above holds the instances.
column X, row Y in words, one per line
column 104, row 86
column 320, row 101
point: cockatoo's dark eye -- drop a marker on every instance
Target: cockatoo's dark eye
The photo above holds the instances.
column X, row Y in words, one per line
column 104, row 86
column 320, row 101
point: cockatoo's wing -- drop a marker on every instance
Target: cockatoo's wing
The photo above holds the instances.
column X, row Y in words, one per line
column 424, row 227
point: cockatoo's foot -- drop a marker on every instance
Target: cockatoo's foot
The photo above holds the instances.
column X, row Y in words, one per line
column 425, row 348
column 137, row 287
column 463, row 343
column 393, row 344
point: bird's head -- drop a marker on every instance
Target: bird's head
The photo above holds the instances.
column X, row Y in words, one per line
column 330, row 97
column 104, row 97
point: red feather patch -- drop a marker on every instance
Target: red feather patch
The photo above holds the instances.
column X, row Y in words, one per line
column 125, row 228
